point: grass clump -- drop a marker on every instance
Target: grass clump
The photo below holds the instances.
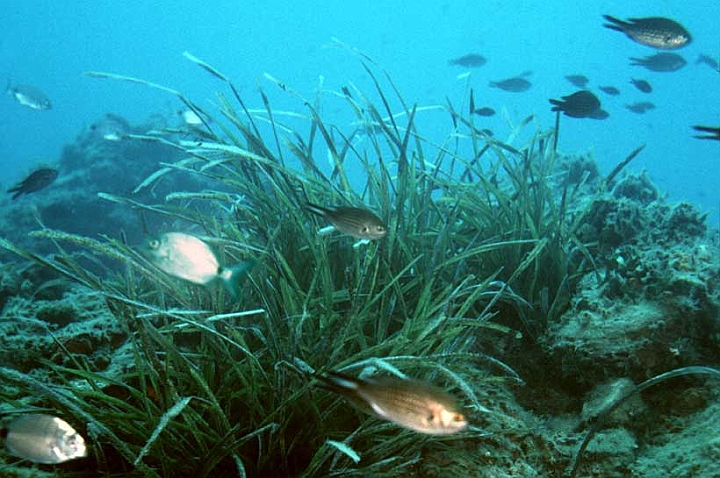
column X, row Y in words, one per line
column 221, row 386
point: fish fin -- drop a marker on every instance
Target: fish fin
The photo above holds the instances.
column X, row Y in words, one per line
column 315, row 209
column 338, row 382
column 615, row 23
column 557, row 105
column 232, row 277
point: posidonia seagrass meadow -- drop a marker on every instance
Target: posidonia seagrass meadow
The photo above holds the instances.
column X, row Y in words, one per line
column 222, row 386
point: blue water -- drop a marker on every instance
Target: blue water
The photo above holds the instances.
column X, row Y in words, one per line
column 49, row 44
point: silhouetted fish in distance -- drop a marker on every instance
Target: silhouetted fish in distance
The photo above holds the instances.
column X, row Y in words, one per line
column 581, row 104
column 484, row 111
column 580, row 81
column 709, row 61
column 471, row 60
column 640, row 107
column 714, row 132
column 656, row 32
column 610, row 90
column 36, row 181
column 641, row 85
column 660, row 62
column 515, row 84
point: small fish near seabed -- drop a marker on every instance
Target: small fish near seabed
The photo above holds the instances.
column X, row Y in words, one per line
column 30, row 97
column 610, row 90
column 516, row 84
column 37, row 180
column 663, row 62
column 43, row 439
column 357, row 222
column 640, row 107
column 111, row 127
column 657, row 32
column 641, row 85
column 412, row 404
column 713, row 132
column 581, row 104
column 187, row 257
column 471, row 60
column 580, row 81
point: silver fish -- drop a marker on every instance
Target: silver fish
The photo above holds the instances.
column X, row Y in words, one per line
column 29, row 96
column 357, row 222
column 412, row 404
column 187, row 257
column 657, row 32
column 43, row 439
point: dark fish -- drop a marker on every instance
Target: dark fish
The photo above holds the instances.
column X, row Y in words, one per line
column 412, row 404
column 515, row 84
column 660, row 62
column 656, row 32
column 471, row 60
column 610, row 90
column 29, row 96
column 43, row 439
column 37, row 180
column 580, row 81
column 714, row 132
column 640, row 107
column 709, row 61
column 357, row 222
column 484, row 111
column 581, row 104
column 641, row 85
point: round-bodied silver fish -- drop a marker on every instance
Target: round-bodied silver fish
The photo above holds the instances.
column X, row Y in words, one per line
column 412, row 404
column 43, row 439
column 187, row 257
column 657, row 32
column 357, row 222
column 30, row 96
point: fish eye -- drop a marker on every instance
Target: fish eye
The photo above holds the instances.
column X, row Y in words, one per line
column 154, row 244
column 364, row 229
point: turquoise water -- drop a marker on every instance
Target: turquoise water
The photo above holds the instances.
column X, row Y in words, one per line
column 50, row 44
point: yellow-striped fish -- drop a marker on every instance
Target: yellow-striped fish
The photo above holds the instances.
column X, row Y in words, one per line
column 412, row 404
column 357, row 222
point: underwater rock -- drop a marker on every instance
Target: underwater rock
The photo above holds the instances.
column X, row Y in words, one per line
column 636, row 187
column 77, row 326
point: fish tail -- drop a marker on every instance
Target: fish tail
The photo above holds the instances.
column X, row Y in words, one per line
column 556, row 105
column 615, row 23
column 234, row 276
column 338, row 382
column 315, row 209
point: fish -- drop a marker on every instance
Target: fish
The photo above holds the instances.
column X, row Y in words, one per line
column 515, row 84
column 357, row 222
column 187, row 257
column 640, row 107
column 657, row 32
column 111, row 127
column 660, row 62
column 412, row 404
column 471, row 60
column 30, row 97
column 709, row 61
column 484, row 111
column 610, row 90
column 641, row 85
column 37, row 180
column 714, row 132
column 44, row 439
column 581, row 104
column 580, row 81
